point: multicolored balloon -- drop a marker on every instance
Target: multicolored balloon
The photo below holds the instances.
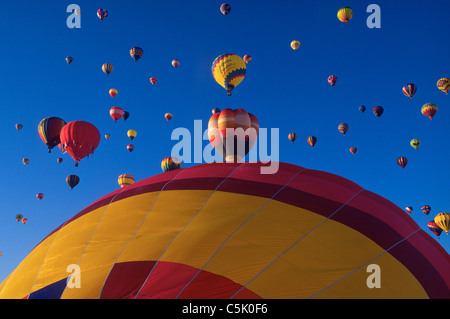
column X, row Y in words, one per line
column 225, row 8
column 292, row 137
column 136, row 53
column 353, row 150
column 343, row 128
column 435, row 229
column 107, row 136
column 215, row 110
column 175, row 63
column 409, row 90
column 18, row 126
column 429, row 110
column 131, row 134
column 409, row 209
column 116, row 113
column 69, row 59
column 233, row 133
column 125, row 115
column 153, row 80
column 168, row 116
column 125, row 180
column 426, row 209
column 19, row 217
column 72, row 181
column 102, row 14
column 170, row 164
column 247, row 58
column 443, row 85
column 312, row 140
column 59, row 160
column 130, row 148
column 79, row 139
column 402, row 161
column 113, row 92
column 39, row 196
column 49, row 130
column 228, row 70
column 345, row 14
column 415, row 143
column 24, row 220
column 25, row 161
column 443, row 221
column 378, row 111
column 295, row 45
column 332, row 80
column 107, row 68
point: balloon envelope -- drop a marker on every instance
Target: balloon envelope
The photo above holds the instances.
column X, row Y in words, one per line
column 228, row 70
column 125, row 180
column 224, row 231
column 49, row 130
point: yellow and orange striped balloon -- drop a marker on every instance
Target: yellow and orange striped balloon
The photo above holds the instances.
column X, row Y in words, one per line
column 125, row 180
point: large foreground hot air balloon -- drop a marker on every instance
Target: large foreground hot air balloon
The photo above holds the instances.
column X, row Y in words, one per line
column 233, row 133
column 79, row 139
column 228, row 70
column 224, row 231
column 49, row 130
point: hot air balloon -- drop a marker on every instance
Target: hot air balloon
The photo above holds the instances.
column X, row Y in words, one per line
column 170, row 164
column 107, row 68
column 49, row 130
column 225, row 8
column 233, row 133
column 113, row 92
column 409, row 209
column 131, row 134
column 102, row 14
column 426, row 209
column 353, row 150
column 80, row 139
column 332, row 79
column 409, row 90
column 107, row 136
column 429, row 110
column 175, row 63
column 443, row 85
column 130, row 148
column 435, row 229
column 25, row 161
column 153, row 80
column 125, row 180
column 362, row 108
column 443, row 221
column 39, row 196
column 224, row 231
column 312, row 140
column 59, row 160
column 292, row 137
column 345, row 14
column 72, row 181
column 343, row 128
column 136, row 53
column 415, row 143
column 295, row 45
column 24, row 220
column 247, row 58
column 125, row 115
column 168, row 116
column 69, row 59
column 19, row 126
column 402, row 162
column 19, row 217
column 378, row 111
column 228, row 70
column 77, row 11
column 116, row 113
column 215, row 110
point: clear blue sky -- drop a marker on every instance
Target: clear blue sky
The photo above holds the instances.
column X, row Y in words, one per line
column 285, row 89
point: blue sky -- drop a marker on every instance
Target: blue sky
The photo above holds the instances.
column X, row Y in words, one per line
column 285, row 89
